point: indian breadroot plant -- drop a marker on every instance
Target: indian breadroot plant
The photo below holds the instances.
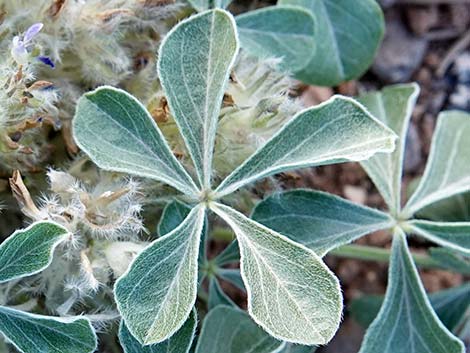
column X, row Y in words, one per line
column 182, row 146
column 292, row 295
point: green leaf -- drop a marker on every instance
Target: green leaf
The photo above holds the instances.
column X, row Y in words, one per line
column 229, row 255
column 451, row 260
column 450, row 305
column 454, row 235
column 229, row 330
column 180, row 342
column 203, row 5
column 30, row 250
column 318, row 220
column 347, row 34
column 285, row 32
column 447, row 171
column 338, row 130
column 393, row 106
column 173, row 215
column 118, row 133
column 31, row 333
column 194, row 66
column 292, row 348
column 158, row 291
column 452, row 209
column 217, row 296
column 233, row 276
column 291, row 292
column 406, row 322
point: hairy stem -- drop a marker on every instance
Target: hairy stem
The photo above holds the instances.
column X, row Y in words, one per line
column 371, row 253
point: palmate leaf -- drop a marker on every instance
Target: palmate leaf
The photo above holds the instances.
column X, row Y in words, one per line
column 31, row 333
column 285, row 32
column 393, row 106
column 406, row 322
column 180, row 342
column 157, row 293
column 447, row 171
column 29, row 251
column 233, row 276
column 347, row 34
column 229, row 330
column 450, row 305
column 338, row 130
column 118, row 133
column 452, row 209
column 318, row 220
column 454, row 235
column 194, row 65
column 291, row 292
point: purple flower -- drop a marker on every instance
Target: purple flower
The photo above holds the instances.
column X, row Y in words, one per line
column 19, row 50
column 47, row 61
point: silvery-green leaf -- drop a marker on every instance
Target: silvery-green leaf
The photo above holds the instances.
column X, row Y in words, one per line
column 454, row 235
column 393, row 106
column 31, row 333
column 318, row 220
column 285, row 32
column 291, row 292
column 202, row 5
column 173, row 215
column 450, row 305
column 451, row 260
column 118, row 134
column 229, row 255
column 217, row 295
column 230, row 330
column 194, row 65
column 180, row 342
column 294, row 348
column 406, row 321
column 347, row 35
column 452, row 209
column 447, row 171
column 29, row 251
column 335, row 131
column 233, row 276
column 158, row 291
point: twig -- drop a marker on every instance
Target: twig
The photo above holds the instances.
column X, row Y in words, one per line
column 456, row 49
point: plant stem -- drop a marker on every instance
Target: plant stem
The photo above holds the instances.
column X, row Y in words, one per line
column 371, row 253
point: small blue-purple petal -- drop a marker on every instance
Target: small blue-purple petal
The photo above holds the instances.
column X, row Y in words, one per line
column 47, row 61
column 32, row 31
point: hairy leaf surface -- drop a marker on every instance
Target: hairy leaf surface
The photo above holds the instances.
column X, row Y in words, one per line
column 285, row 32
column 406, row 322
column 217, row 296
column 291, row 292
column 450, row 305
column 202, row 5
column 452, row 209
column 157, row 293
column 180, row 342
column 447, row 171
column 229, row 330
column 194, row 66
column 454, row 235
column 233, row 276
column 338, row 130
column 29, row 251
column 318, row 220
column 118, row 133
column 451, row 260
column 45, row 334
column 393, row 106
column 347, row 34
